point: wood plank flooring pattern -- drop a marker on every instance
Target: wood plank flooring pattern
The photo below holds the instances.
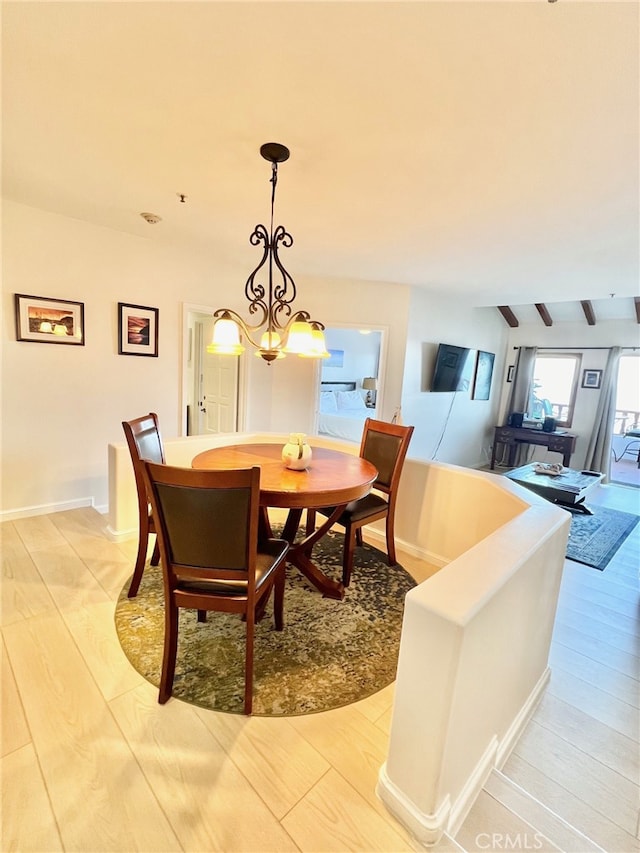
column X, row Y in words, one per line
column 91, row 762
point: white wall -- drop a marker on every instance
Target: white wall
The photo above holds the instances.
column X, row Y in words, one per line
column 63, row 405
column 450, row 427
column 579, row 337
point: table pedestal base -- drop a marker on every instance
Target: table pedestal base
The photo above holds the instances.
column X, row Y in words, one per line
column 299, row 554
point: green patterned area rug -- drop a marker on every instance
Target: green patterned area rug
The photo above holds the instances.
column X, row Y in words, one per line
column 594, row 539
column 330, row 654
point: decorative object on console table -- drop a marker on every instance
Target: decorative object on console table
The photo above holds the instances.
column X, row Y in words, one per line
column 42, row 320
column 483, row 374
column 369, row 383
column 591, row 378
column 137, row 330
column 557, row 442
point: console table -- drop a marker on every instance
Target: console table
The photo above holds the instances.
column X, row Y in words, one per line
column 511, row 437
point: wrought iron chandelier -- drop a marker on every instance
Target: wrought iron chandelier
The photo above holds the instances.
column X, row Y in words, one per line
column 285, row 330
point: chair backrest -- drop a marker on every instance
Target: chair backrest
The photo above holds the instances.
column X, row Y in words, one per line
column 385, row 446
column 144, row 441
column 207, row 521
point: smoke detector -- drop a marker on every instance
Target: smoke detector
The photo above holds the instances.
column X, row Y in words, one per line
column 151, row 218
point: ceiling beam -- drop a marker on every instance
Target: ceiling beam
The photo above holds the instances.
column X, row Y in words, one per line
column 509, row 316
column 636, row 300
column 587, row 307
column 542, row 311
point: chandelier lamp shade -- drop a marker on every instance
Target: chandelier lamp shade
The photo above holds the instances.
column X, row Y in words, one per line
column 277, row 329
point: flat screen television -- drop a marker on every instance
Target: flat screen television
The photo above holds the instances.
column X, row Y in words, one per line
column 453, row 369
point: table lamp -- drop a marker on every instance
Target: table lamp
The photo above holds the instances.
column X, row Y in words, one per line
column 369, row 385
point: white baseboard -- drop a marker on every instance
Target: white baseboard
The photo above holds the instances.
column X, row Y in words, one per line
column 421, row 553
column 516, row 728
column 120, row 535
column 472, row 787
column 45, row 509
column 427, row 829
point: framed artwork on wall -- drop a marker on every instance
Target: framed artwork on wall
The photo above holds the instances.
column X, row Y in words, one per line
column 336, row 358
column 591, row 378
column 43, row 320
column 483, row 374
column 137, row 330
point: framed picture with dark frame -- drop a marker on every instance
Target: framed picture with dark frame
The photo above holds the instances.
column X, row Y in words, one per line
column 482, row 377
column 591, row 378
column 137, row 330
column 43, row 320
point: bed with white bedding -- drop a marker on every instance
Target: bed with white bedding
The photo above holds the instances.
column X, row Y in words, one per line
column 342, row 411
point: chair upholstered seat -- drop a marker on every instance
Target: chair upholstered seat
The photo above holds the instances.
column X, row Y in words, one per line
column 385, row 446
column 358, row 510
column 271, row 551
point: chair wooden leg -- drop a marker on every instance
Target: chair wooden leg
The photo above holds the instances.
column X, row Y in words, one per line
column 170, row 652
column 347, row 554
column 391, row 545
column 248, row 667
column 202, row 615
column 155, row 557
column 359, row 539
column 141, row 558
column 278, row 599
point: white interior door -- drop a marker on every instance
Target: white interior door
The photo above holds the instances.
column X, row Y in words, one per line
column 218, row 403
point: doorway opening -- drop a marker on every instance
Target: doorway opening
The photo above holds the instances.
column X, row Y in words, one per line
column 351, row 385
column 210, row 383
column 625, row 445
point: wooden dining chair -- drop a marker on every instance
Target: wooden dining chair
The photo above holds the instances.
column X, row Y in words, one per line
column 144, row 441
column 385, row 446
column 212, row 557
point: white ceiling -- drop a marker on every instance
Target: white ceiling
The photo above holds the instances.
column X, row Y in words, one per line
column 483, row 148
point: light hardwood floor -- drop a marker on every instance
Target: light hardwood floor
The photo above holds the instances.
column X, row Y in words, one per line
column 91, row 762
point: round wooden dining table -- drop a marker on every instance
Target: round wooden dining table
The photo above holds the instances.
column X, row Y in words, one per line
column 332, row 479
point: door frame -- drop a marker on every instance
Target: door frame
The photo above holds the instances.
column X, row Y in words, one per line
column 203, row 312
column 382, row 364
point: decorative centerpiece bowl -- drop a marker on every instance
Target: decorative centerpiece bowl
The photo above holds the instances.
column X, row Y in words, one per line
column 296, row 454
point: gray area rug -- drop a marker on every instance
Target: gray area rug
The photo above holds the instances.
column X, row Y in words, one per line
column 594, row 539
column 330, row 654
